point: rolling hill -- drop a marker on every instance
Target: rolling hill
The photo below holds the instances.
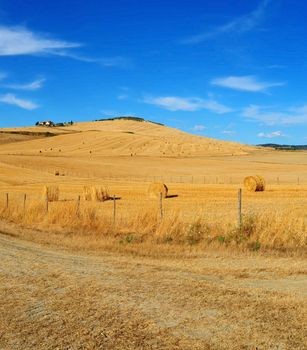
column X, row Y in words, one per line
column 123, row 149
column 121, row 138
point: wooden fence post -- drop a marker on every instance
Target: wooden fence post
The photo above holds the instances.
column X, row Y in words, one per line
column 7, row 201
column 114, row 209
column 161, row 206
column 24, row 202
column 239, row 208
column 298, row 180
column 78, row 205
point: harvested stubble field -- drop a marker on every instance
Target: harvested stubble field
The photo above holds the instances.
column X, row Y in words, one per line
column 190, row 281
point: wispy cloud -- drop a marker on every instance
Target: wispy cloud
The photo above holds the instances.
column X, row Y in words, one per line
column 271, row 135
column 122, row 97
column 245, row 83
column 116, row 61
column 199, row 127
column 238, row 25
column 228, row 132
column 18, row 40
column 113, row 113
column 11, row 99
column 275, row 66
column 267, row 116
column 22, row 41
column 174, row 103
column 34, row 85
column 109, row 113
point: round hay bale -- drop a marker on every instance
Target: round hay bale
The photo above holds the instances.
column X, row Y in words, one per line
column 254, row 183
column 261, row 183
column 156, row 188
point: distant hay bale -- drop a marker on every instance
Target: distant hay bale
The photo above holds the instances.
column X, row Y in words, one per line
column 156, row 188
column 56, row 173
column 254, row 183
column 51, row 193
column 95, row 194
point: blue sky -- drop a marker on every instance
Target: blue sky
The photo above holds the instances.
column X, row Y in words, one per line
column 229, row 69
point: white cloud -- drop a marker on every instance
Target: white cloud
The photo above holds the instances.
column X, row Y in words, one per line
column 245, row 83
column 11, row 99
column 122, row 97
column 21, row 41
column 228, row 132
column 216, row 107
column 238, row 25
column 271, row 135
column 199, row 127
column 267, row 116
column 34, row 85
column 173, row 103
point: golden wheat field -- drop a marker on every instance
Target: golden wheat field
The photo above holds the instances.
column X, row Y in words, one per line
column 90, row 260
column 123, row 156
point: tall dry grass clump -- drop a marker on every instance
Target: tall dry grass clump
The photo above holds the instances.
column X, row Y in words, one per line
column 254, row 183
column 87, row 194
column 51, row 193
column 155, row 189
column 96, row 194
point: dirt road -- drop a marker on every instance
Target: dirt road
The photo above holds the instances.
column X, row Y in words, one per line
column 54, row 299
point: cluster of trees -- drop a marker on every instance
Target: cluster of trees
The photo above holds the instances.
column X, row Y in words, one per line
column 285, row 147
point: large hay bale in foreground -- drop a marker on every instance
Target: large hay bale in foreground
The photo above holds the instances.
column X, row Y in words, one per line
column 156, row 188
column 51, row 193
column 254, row 183
column 95, row 194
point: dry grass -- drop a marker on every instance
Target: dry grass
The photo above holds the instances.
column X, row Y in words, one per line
column 51, row 193
column 143, row 226
column 55, row 299
column 96, row 193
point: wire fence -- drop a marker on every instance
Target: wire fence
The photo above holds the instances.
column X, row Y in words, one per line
column 228, row 207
